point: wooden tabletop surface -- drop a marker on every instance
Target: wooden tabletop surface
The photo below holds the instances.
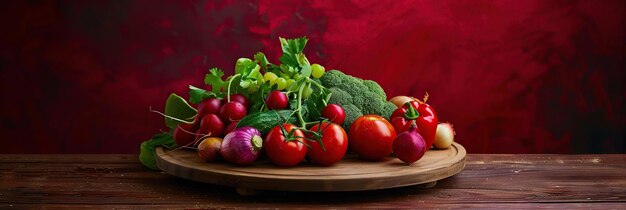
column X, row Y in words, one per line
column 487, row 182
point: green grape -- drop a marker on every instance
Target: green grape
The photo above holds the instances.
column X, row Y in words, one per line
column 317, row 70
column 281, row 83
column 297, row 77
column 290, row 82
column 284, row 75
column 306, row 92
column 292, row 85
column 271, row 77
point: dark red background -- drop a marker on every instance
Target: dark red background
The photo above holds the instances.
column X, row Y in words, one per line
column 512, row 76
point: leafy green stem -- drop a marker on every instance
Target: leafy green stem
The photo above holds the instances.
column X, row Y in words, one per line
column 302, row 122
column 228, row 89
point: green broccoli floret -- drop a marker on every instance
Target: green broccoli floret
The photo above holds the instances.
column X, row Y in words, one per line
column 332, row 78
column 387, row 110
column 375, row 87
column 368, row 102
column 353, row 86
column 351, row 114
column 339, row 97
column 356, row 95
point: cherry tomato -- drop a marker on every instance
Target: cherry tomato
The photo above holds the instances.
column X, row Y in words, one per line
column 276, row 100
column 238, row 98
column 371, row 137
column 335, row 142
column 401, row 124
column 334, row 113
column 281, row 151
column 233, row 112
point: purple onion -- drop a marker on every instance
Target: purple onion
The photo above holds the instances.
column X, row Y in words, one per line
column 242, row 146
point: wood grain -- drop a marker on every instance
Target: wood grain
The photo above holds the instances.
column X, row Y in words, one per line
column 350, row 174
column 487, row 182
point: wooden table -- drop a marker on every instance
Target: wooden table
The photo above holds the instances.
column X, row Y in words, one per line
column 488, row 181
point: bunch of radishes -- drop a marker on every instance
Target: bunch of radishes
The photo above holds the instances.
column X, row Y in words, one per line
column 215, row 118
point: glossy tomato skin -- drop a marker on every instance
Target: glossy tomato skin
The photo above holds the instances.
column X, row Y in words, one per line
column 282, row 152
column 335, row 142
column 334, row 113
column 371, row 137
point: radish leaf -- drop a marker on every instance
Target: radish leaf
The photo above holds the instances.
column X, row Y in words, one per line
column 177, row 110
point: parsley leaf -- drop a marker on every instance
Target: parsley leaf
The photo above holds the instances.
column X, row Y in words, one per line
column 197, row 95
column 293, row 59
column 214, row 78
column 247, row 68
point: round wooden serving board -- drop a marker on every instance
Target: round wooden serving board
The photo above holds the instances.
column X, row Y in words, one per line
column 350, row 174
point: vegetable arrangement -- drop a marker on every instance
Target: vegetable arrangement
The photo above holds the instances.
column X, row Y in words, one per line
column 292, row 111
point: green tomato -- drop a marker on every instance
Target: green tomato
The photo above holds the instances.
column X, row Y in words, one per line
column 281, row 83
column 317, row 70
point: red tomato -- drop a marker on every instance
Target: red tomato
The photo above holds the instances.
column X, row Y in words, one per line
column 371, row 137
column 335, row 142
column 282, row 152
column 334, row 113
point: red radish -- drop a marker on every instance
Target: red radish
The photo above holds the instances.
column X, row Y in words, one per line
column 239, row 98
column 208, row 106
column 209, row 148
column 334, row 113
column 230, row 128
column 184, row 134
column 409, row 146
column 276, row 100
column 232, row 112
column 210, row 125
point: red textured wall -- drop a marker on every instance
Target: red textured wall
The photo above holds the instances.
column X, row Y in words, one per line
column 512, row 76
